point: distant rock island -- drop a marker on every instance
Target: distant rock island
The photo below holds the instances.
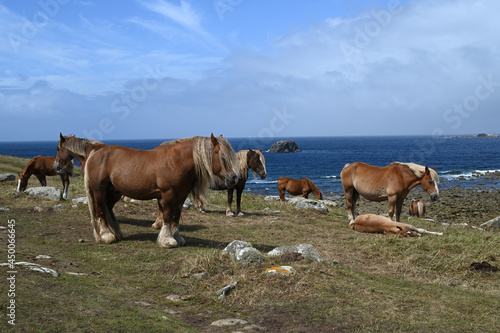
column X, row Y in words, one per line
column 479, row 136
column 284, row 146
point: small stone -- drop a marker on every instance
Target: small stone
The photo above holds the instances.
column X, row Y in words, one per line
column 282, row 270
column 43, row 256
column 229, row 322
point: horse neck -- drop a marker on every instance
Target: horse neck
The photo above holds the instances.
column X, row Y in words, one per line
column 29, row 169
column 314, row 188
column 410, row 178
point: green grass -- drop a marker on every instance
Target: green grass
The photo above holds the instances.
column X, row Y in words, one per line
column 381, row 284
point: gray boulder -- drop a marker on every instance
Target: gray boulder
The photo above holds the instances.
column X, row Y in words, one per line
column 82, row 200
column 306, row 250
column 7, row 177
column 312, row 204
column 284, row 146
column 243, row 252
column 48, row 192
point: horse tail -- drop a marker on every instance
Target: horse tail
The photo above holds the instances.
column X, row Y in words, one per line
column 90, row 198
column 421, row 209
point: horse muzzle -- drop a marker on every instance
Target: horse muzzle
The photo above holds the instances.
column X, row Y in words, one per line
column 434, row 197
column 58, row 168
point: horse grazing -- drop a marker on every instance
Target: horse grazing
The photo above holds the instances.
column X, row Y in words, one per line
column 70, row 147
column 248, row 160
column 391, row 183
column 380, row 224
column 302, row 186
column 167, row 173
column 417, row 208
column 42, row 166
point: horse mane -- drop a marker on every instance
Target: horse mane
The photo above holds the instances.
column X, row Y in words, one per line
column 79, row 146
column 29, row 166
column 419, row 170
column 203, row 162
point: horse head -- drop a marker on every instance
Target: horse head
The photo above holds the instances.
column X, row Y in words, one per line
column 256, row 162
column 64, row 157
column 224, row 161
column 22, row 182
column 429, row 184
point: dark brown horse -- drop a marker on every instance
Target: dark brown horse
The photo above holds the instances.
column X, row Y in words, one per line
column 382, row 225
column 248, row 160
column 302, row 186
column 417, row 208
column 167, row 173
column 70, row 147
column 42, row 166
column 391, row 183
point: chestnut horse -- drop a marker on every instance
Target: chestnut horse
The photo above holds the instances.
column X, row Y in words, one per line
column 417, row 208
column 248, row 160
column 391, row 183
column 70, row 147
column 383, row 225
column 302, row 186
column 42, row 166
column 167, row 173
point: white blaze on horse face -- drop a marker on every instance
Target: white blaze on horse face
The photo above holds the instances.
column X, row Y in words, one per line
column 19, row 185
column 437, row 189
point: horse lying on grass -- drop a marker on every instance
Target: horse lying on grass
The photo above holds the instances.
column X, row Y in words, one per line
column 302, row 186
column 382, row 225
column 42, row 166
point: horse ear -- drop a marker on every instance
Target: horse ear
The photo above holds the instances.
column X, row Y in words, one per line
column 427, row 171
column 214, row 140
column 19, row 174
column 250, row 150
column 434, row 168
column 61, row 137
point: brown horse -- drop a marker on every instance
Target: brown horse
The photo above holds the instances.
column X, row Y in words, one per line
column 391, row 183
column 417, row 208
column 248, row 160
column 383, row 225
column 167, row 173
column 42, row 166
column 302, row 186
column 70, row 147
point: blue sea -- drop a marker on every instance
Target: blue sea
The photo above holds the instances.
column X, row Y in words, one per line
column 322, row 158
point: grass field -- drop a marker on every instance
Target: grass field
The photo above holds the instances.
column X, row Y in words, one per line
column 366, row 283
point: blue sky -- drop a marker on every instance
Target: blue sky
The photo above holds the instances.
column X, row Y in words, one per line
column 165, row 69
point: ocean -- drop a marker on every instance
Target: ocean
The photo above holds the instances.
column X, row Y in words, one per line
column 322, row 158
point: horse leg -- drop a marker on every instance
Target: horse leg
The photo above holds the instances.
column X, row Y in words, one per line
column 42, row 180
column 229, row 211
column 399, row 207
column 393, row 199
column 112, row 197
column 281, row 192
column 65, row 182
column 351, row 196
column 169, row 235
column 102, row 232
column 197, row 204
column 239, row 191
column 305, row 193
column 159, row 217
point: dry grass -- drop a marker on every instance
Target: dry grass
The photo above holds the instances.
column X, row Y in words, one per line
column 380, row 284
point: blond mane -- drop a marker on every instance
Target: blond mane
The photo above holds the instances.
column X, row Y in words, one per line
column 419, row 170
column 203, row 161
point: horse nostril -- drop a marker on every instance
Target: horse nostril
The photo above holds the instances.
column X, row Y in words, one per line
column 434, row 197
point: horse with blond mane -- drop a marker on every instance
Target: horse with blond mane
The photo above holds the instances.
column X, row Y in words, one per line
column 391, row 183
column 167, row 173
column 42, row 166
column 302, row 186
column 247, row 160
column 417, row 208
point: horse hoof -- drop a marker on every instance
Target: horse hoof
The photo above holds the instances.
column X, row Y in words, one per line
column 230, row 214
column 180, row 240
column 241, row 214
column 168, row 243
column 107, row 238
